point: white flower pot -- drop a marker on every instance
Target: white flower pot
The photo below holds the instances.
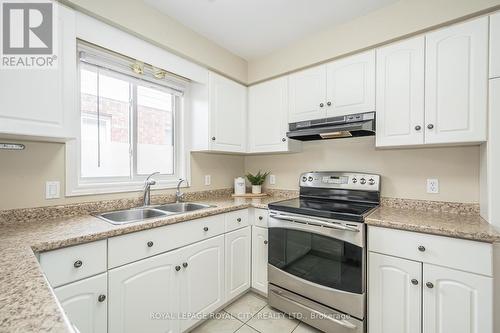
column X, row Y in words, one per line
column 256, row 189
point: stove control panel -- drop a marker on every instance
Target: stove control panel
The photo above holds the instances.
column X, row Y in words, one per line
column 341, row 180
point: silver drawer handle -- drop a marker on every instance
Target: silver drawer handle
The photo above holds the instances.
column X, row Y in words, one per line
column 311, row 220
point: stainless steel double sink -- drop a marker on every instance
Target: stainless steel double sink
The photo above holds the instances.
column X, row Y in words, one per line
column 142, row 213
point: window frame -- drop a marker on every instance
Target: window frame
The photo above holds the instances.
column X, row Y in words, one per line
column 76, row 186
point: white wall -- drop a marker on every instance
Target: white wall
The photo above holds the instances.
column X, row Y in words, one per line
column 395, row 21
column 404, row 171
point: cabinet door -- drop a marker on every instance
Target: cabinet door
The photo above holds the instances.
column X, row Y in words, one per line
column 85, row 302
column 41, row 102
column 351, row 84
column 227, row 114
column 238, row 262
column 400, row 93
column 202, row 283
column 456, row 78
column 307, row 94
column 394, row 294
column 144, row 295
column 268, row 116
column 495, row 45
column 259, row 259
column 456, row 301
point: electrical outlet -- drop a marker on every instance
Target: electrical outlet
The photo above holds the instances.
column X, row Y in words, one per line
column 52, row 189
column 272, row 180
column 208, row 180
column 432, row 186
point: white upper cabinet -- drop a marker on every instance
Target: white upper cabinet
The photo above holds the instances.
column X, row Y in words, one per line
column 85, row 303
column 351, row 85
column 268, row 117
column 218, row 115
column 41, row 103
column 495, row 45
column 456, row 75
column 456, row 301
column 307, row 94
column 400, row 93
column 228, row 101
column 394, row 288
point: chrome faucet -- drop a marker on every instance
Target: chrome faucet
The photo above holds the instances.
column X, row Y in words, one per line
column 146, row 199
column 178, row 194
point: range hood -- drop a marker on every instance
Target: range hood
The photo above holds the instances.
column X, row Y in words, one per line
column 360, row 124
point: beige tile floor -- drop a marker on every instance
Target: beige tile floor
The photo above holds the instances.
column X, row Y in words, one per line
column 251, row 314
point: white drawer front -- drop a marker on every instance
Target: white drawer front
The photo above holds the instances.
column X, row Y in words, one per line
column 73, row 263
column 466, row 255
column 260, row 217
column 237, row 219
column 138, row 245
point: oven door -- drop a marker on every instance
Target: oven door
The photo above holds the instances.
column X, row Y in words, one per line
column 321, row 259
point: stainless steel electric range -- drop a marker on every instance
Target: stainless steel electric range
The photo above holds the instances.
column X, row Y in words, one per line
column 317, row 250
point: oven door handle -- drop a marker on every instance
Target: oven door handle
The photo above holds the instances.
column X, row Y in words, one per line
column 343, row 323
column 311, row 220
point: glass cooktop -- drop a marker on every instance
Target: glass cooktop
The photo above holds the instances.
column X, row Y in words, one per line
column 327, row 208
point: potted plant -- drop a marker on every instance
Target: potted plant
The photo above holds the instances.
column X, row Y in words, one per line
column 257, row 180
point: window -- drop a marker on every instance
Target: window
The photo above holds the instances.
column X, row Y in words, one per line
column 131, row 125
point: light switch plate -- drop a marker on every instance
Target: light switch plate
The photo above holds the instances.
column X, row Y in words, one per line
column 432, row 186
column 272, row 180
column 52, row 189
column 208, row 180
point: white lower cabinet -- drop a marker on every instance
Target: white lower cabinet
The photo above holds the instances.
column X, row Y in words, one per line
column 144, row 295
column 394, row 294
column 202, row 280
column 238, row 262
column 408, row 296
column 85, row 303
column 456, row 302
column 259, row 258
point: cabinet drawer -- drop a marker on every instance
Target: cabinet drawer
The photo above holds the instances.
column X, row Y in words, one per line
column 74, row 263
column 138, row 245
column 466, row 255
column 237, row 219
column 260, row 217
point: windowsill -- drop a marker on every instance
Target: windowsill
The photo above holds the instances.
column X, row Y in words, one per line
column 109, row 188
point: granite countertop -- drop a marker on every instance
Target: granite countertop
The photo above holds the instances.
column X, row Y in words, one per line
column 27, row 303
column 465, row 225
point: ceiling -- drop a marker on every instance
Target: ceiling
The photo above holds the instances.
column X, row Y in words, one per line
column 254, row 28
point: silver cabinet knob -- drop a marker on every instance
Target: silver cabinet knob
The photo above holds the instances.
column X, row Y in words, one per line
column 429, row 285
column 213, row 138
column 430, row 126
column 205, row 228
column 78, row 264
column 284, row 139
column 321, row 105
column 177, row 268
column 265, row 242
column 101, row 298
column 414, row 281
column 150, row 244
column 238, row 219
column 184, row 264
column 421, row 248
column 418, row 128
column 329, row 103
column 261, row 218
